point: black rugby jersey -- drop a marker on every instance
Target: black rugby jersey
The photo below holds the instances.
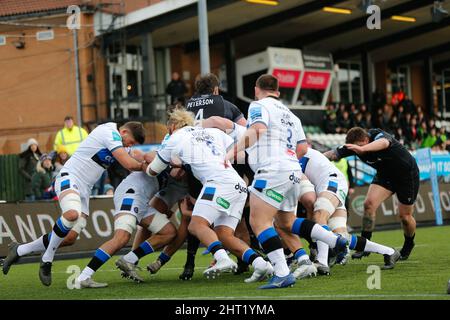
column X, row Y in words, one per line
column 394, row 158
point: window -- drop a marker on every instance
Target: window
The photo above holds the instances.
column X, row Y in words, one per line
column 350, row 82
column 443, row 92
column 400, row 80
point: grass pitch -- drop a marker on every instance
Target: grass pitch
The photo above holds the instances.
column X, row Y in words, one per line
column 424, row 276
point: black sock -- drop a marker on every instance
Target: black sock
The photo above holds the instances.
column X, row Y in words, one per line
column 366, row 234
column 45, row 240
column 409, row 241
column 192, row 246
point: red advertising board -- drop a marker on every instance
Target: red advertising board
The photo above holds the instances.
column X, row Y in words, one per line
column 287, row 78
column 315, row 80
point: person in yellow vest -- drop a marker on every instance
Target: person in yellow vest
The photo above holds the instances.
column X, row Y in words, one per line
column 70, row 136
column 344, row 167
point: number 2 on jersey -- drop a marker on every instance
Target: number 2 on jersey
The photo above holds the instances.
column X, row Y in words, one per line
column 289, row 137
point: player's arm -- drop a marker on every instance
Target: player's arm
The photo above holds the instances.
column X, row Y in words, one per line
column 258, row 122
column 137, row 154
column 339, row 153
column 374, row 146
column 219, row 123
column 242, row 122
column 302, row 149
column 250, row 137
column 127, row 161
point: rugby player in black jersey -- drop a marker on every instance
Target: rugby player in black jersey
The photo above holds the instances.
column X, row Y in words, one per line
column 205, row 103
column 397, row 172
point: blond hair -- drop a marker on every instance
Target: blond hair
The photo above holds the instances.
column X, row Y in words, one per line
column 180, row 117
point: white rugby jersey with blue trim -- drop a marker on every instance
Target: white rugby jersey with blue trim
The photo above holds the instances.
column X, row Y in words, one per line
column 202, row 150
column 94, row 154
column 276, row 149
column 318, row 168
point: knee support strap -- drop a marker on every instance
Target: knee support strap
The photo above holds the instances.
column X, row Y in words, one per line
column 305, row 187
column 71, row 201
column 323, row 203
column 337, row 223
column 159, row 221
column 125, row 222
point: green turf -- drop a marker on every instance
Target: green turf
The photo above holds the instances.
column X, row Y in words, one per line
column 423, row 276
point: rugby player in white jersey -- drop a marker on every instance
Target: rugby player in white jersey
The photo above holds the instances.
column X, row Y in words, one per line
column 131, row 200
column 274, row 141
column 222, row 198
column 104, row 145
column 331, row 188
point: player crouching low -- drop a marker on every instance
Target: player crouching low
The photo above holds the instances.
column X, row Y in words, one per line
column 131, row 200
column 223, row 195
column 330, row 186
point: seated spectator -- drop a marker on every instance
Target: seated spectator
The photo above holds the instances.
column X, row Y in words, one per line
column 407, row 104
column 399, row 135
column 330, row 123
column 340, row 112
column 393, row 125
column 108, row 190
column 368, row 120
column 27, row 166
column 363, row 109
column 360, row 121
column 42, row 179
column 421, row 132
column 430, row 139
column 61, row 158
column 345, row 123
column 405, row 121
column 411, row 131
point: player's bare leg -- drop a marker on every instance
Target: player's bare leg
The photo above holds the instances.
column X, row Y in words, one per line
column 375, row 196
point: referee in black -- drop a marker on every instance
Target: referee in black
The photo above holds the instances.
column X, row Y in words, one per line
column 397, row 172
column 206, row 102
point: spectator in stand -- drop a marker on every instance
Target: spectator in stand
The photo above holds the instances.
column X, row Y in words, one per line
column 368, row 120
column 399, row 136
column 176, row 89
column 363, row 109
column 340, row 112
column 397, row 97
column 405, row 121
column 408, row 105
column 70, row 136
column 421, row 132
column 41, row 181
column 353, row 113
column 430, row 139
column 27, row 166
column 61, row 158
column 109, row 190
column 411, row 131
column 393, row 125
column 330, row 123
column 421, row 118
column 387, row 115
column 360, row 121
column 345, row 123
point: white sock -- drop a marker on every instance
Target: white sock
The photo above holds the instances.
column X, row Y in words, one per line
column 279, row 262
column 87, row 273
column 302, row 258
column 221, row 254
column 322, row 252
column 377, row 248
column 53, row 245
column 259, row 263
column 131, row 257
column 319, row 233
column 31, row 247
